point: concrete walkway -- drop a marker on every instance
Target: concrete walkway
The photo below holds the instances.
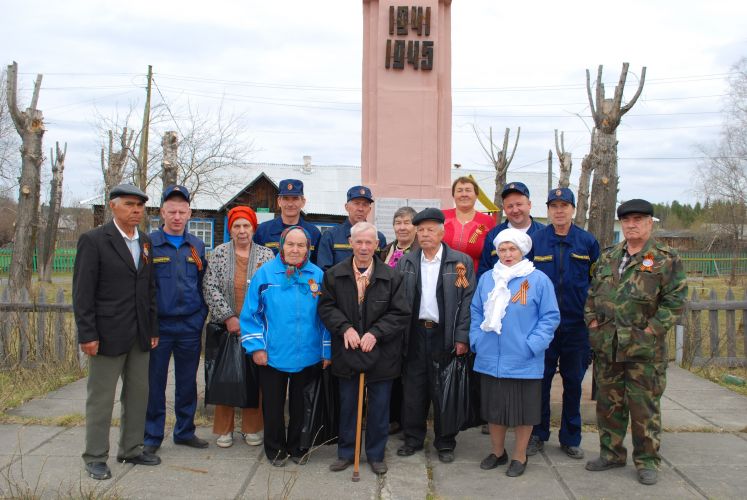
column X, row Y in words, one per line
column 704, row 450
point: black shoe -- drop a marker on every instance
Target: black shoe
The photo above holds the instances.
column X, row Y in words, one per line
column 406, row 450
column 516, row 468
column 492, row 461
column 340, row 464
column 600, row 463
column 535, row 445
column 572, row 451
column 142, row 459
column 151, row 448
column 378, row 468
column 98, row 470
column 394, row 428
column 647, row 476
column 193, row 442
column 485, row 429
column 446, row 456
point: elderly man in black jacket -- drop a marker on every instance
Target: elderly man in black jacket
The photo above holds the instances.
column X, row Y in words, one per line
column 364, row 308
column 439, row 284
column 114, row 301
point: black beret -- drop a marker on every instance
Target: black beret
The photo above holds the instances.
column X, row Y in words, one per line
column 433, row 214
column 127, row 190
column 636, row 206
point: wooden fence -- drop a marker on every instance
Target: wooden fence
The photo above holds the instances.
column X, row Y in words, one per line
column 712, row 333
column 36, row 331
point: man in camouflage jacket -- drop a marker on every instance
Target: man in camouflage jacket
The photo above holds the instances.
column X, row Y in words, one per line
column 637, row 293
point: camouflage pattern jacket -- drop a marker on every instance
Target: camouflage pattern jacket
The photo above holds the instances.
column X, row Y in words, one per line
column 649, row 293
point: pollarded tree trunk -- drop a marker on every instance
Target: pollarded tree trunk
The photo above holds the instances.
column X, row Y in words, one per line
column 582, row 200
column 169, row 166
column 30, row 126
column 565, row 159
column 113, row 164
column 49, row 242
column 499, row 158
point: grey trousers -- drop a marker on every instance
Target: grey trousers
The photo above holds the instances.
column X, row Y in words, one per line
column 103, row 374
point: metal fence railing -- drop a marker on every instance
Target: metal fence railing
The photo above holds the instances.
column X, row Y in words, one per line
column 713, row 263
column 64, row 260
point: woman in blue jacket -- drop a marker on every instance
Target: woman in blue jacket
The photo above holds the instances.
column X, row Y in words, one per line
column 282, row 331
column 514, row 316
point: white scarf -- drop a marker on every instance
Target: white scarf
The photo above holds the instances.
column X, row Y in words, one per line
column 495, row 307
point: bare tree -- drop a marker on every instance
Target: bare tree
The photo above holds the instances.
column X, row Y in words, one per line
column 113, row 163
column 607, row 114
column 30, row 126
column 498, row 157
column 564, row 159
column 46, row 250
column 169, row 165
column 582, row 199
column 8, row 142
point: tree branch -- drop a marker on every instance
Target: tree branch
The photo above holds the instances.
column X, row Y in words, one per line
column 588, row 94
column 18, row 119
column 516, row 143
column 37, row 87
column 630, row 103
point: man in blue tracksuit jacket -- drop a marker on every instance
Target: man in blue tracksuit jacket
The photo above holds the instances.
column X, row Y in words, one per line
column 334, row 246
column 566, row 254
column 516, row 206
column 179, row 262
column 291, row 201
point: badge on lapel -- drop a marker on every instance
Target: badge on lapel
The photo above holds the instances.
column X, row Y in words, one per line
column 146, row 252
column 461, row 280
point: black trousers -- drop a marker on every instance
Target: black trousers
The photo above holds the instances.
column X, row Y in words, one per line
column 274, row 385
column 419, row 389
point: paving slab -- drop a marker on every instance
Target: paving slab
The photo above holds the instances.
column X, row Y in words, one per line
column 718, row 481
column 19, row 440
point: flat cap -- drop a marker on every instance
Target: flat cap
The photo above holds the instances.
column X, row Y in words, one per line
column 175, row 190
column 635, row 206
column 433, row 214
column 127, row 190
column 515, row 187
column 290, row 187
column 359, row 192
column 561, row 194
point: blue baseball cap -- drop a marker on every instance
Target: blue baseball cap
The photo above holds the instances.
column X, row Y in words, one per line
column 175, row 190
column 290, row 187
column 561, row 194
column 515, row 187
column 359, row 192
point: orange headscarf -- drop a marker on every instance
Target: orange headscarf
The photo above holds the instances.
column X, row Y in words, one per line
column 242, row 212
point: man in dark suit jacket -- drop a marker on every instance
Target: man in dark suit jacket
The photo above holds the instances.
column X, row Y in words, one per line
column 114, row 300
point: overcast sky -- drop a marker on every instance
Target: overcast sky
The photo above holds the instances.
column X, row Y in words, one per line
column 292, row 70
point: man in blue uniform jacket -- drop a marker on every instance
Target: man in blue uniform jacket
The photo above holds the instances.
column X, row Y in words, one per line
column 291, row 201
column 516, row 206
column 334, row 247
column 566, row 254
column 179, row 261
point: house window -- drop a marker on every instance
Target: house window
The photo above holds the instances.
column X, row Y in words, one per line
column 155, row 223
column 203, row 229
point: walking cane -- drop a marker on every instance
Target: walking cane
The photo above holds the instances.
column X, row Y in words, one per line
column 357, row 459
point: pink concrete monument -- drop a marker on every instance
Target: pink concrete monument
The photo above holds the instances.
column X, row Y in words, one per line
column 406, row 143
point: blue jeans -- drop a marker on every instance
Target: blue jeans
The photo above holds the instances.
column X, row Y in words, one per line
column 377, row 418
column 186, row 348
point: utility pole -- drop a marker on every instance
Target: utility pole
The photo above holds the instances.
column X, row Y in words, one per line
column 143, row 156
column 549, row 170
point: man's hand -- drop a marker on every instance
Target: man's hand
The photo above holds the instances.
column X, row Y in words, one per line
column 461, row 348
column 649, row 330
column 90, row 348
column 232, row 325
column 352, row 340
column 594, row 323
column 260, row 358
column 368, row 341
column 326, row 363
column 153, row 342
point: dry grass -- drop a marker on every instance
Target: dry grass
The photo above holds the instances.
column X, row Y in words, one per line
column 714, row 374
column 19, row 384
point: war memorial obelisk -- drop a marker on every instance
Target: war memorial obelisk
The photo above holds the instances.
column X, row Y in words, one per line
column 406, row 132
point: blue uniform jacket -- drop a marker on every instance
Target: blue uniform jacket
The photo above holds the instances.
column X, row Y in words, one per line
column 489, row 256
column 268, row 234
column 526, row 329
column 281, row 318
column 181, row 306
column 568, row 262
column 334, row 247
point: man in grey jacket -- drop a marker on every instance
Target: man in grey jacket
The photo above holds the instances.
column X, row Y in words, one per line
column 439, row 283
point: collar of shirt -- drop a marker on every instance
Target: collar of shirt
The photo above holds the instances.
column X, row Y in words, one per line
column 124, row 235
column 437, row 258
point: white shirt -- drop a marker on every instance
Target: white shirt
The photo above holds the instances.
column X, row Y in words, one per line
column 524, row 229
column 132, row 243
column 429, row 270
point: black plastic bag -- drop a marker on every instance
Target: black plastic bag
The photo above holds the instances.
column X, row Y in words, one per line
column 455, row 393
column 320, row 425
column 230, row 376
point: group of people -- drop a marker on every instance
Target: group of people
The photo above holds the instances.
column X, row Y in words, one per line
column 525, row 300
